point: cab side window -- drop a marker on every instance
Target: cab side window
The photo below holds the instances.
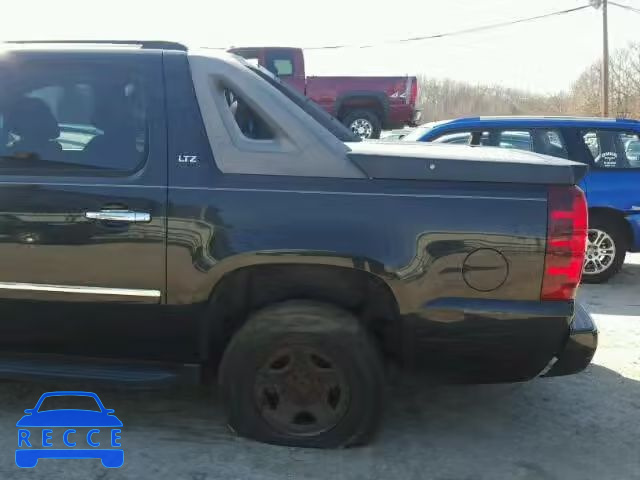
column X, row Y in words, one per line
column 72, row 117
column 280, row 63
column 610, row 149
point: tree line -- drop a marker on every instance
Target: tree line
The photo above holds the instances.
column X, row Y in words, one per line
column 444, row 99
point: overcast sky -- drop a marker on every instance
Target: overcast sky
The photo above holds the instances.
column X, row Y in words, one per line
column 540, row 56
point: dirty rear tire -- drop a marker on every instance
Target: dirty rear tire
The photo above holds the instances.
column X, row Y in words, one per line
column 332, row 332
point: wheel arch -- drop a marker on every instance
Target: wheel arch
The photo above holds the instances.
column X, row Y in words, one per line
column 614, row 215
column 365, row 100
column 244, row 290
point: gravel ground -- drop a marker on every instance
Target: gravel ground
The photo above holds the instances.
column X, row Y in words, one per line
column 582, row 427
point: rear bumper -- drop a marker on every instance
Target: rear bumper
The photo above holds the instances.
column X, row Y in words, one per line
column 580, row 347
column 485, row 341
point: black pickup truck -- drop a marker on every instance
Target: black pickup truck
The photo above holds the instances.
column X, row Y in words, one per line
column 171, row 213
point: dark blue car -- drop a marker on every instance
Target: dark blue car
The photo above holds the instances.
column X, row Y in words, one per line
column 611, row 147
column 97, row 436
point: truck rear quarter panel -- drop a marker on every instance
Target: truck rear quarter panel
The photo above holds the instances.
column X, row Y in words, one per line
column 416, row 237
column 420, row 239
column 463, row 259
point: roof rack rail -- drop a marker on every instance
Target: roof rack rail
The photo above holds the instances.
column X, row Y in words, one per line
column 554, row 117
column 147, row 44
column 465, row 119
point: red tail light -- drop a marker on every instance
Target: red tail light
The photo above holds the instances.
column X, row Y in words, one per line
column 409, row 89
column 567, row 226
column 414, row 92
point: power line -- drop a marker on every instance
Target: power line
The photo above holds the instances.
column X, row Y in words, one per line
column 460, row 32
column 626, row 7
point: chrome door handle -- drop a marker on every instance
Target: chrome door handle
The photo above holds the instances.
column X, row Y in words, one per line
column 129, row 216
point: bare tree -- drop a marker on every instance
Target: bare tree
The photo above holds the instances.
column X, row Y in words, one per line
column 443, row 99
column 624, row 95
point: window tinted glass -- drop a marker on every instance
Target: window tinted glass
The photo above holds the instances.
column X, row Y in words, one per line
column 611, row 149
column 284, row 67
column 480, row 138
column 632, row 150
column 463, row 138
column 73, row 117
column 72, row 106
column 458, row 138
column 520, row 140
column 249, row 122
column 280, row 64
column 550, row 142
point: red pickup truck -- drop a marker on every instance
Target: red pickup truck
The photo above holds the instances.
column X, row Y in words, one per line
column 365, row 104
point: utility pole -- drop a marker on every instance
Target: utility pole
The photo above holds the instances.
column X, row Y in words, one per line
column 605, row 60
column 605, row 54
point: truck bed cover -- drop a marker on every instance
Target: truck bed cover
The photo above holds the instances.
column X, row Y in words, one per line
column 423, row 161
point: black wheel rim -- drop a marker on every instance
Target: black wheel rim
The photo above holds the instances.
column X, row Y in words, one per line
column 300, row 391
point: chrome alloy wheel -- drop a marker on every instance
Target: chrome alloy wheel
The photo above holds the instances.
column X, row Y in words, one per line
column 601, row 251
column 362, row 127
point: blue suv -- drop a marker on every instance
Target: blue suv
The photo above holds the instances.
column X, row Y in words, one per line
column 611, row 147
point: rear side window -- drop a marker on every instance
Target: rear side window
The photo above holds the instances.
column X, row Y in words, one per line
column 72, row 106
column 464, row 138
column 632, row 150
column 610, row 149
column 539, row 140
column 280, row 63
column 459, row 138
column 73, row 116
column 550, row 142
column 519, row 140
column 283, row 66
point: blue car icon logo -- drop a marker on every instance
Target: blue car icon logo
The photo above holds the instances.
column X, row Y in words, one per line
column 92, row 431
